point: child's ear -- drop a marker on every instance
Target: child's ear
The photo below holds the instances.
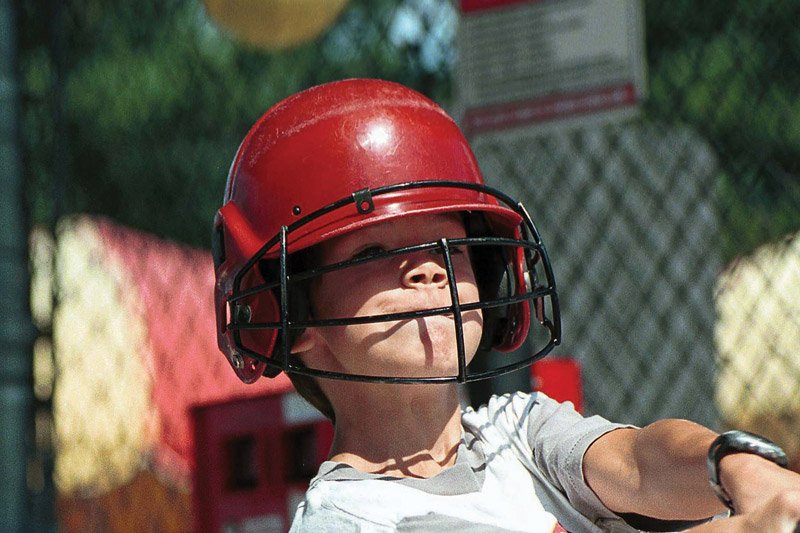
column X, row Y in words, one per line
column 305, row 342
column 312, row 350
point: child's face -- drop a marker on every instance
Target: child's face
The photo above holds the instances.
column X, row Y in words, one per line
column 422, row 347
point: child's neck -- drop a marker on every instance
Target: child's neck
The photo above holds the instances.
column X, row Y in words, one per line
column 399, row 430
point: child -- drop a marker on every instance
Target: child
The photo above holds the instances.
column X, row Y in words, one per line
column 359, row 251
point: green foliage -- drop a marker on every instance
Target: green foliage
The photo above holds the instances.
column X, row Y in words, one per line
column 157, row 98
column 726, row 69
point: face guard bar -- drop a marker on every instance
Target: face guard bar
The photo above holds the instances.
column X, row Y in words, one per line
column 281, row 358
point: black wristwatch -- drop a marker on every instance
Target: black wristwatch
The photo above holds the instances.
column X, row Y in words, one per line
column 739, row 442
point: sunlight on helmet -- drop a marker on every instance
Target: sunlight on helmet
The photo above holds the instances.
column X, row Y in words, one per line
column 378, row 136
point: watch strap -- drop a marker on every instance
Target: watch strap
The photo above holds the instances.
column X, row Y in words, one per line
column 739, row 442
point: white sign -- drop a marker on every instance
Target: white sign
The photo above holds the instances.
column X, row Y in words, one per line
column 525, row 63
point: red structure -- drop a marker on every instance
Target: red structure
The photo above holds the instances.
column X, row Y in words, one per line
column 254, row 460
column 559, row 378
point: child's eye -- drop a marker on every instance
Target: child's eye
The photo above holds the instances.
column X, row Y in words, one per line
column 454, row 250
column 369, row 251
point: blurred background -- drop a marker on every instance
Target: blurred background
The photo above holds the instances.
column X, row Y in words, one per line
column 674, row 232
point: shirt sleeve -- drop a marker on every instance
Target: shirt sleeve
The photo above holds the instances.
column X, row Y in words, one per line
column 555, row 437
column 559, row 437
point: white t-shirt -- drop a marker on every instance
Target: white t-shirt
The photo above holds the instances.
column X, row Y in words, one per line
column 518, row 468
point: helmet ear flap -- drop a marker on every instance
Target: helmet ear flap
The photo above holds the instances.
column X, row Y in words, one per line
column 495, row 319
column 500, row 274
column 262, row 307
column 494, row 277
column 518, row 317
column 247, row 369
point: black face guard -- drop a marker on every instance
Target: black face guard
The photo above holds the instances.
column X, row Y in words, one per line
column 540, row 293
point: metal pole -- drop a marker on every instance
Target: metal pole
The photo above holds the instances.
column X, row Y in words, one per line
column 16, row 328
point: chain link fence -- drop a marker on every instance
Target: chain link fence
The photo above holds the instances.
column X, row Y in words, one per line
column 675, row 236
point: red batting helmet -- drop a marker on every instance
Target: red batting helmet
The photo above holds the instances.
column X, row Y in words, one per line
column 339, row 157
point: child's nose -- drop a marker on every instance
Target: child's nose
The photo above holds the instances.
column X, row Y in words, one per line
column 425, row 269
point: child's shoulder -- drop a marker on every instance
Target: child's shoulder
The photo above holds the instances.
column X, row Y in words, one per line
column 513, row 403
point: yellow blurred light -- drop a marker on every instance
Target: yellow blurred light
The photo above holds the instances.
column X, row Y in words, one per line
column 102, row 405
column 41, row 256
column 758, row 342
column 275, row 24
column 43, row 370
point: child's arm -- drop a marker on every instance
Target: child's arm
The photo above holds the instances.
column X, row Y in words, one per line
column 660, row 471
